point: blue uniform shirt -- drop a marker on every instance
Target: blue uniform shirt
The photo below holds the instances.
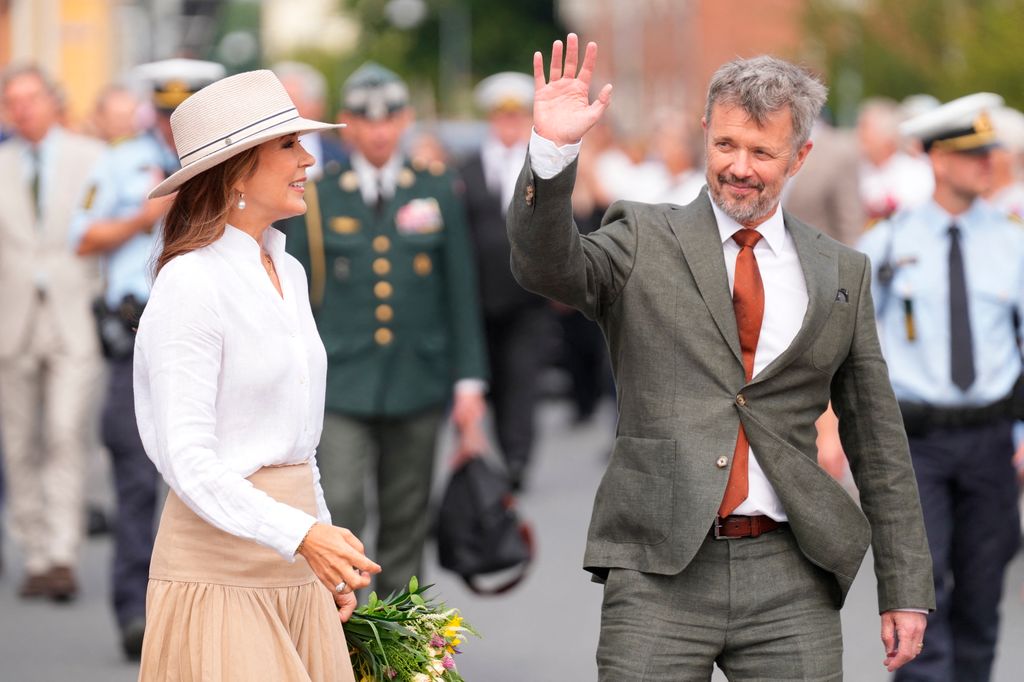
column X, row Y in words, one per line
column 122, row 178
column 913, row 310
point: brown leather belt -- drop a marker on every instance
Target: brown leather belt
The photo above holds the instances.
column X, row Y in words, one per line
column 732, row 527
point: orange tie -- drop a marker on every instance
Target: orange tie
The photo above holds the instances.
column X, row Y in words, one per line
column 748, row 302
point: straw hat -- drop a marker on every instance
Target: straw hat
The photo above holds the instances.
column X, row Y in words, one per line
column 228, row 117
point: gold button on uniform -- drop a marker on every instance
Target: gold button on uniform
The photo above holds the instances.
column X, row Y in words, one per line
column 381, row 266
column 381, row 244
column 721, row 462
column 740, row 400
column 383, row 290
column 383, row 336
column 385, row 313
column 422, row 265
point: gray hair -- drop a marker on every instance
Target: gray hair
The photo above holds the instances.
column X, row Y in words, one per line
column 19, row 70
column 764, row 85
column 311, row 81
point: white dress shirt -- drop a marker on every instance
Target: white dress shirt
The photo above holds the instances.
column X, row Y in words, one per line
column 230, row 377
column 501, row 167
column 785, row 299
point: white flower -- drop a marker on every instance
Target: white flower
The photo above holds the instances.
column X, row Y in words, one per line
column 419, row 677
column 437, row 666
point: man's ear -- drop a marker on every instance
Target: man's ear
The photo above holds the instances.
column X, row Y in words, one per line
column 801, row 156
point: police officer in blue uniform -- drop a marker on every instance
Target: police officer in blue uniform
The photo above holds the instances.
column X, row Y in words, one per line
column 118, row 221
column 949, row 287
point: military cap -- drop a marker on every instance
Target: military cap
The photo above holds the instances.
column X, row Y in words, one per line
column 172, row 81
column 374, row 92
column 963, row 125
column 505, row 91
column 1009, row 125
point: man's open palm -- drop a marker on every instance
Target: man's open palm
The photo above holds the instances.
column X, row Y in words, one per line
column 562, row 110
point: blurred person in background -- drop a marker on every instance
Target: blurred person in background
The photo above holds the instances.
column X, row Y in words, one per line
column 826, row 191
column 394, row 296
column 426, row 151
column 248, row 578
column 121, row 225
column 1007, row 190
column 890, row 178
column 675, row 151
column 308, row 89
column 49, row 353
column 516, row 322
column 949, row 276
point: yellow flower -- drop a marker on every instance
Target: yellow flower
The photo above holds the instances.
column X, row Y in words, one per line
column 452, row 628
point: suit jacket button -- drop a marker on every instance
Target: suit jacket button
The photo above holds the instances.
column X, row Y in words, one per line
column 383, row 336
column 529, row 195
column 722, row 462
column 741, row 400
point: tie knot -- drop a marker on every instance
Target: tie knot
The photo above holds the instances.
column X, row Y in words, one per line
column 746, row 237
column 954, row 231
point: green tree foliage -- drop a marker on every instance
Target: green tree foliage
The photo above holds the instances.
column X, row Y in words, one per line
column 498, row 35
column 896, row 48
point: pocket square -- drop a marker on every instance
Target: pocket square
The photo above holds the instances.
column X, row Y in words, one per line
column 842, row 296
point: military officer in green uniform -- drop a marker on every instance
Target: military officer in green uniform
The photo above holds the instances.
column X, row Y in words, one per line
column 394, row 295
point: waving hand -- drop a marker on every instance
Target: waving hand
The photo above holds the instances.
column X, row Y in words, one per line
column 562, row 110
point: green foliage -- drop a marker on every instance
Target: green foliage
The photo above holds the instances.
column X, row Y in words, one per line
column 946, row 48
column 405, row 636
column 501, row 36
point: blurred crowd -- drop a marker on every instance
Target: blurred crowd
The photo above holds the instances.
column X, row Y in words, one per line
column 77, row 237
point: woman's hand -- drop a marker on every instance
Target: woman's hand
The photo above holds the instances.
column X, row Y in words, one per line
column 336, row 557
column 346, row 603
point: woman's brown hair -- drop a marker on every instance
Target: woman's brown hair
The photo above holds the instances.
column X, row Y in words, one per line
column 200, row 210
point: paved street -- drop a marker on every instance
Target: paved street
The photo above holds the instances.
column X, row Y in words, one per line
column 544, row 631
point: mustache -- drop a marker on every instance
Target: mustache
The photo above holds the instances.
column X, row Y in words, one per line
column 729, row 178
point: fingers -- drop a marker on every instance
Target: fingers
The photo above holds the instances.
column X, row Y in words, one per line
column 589, row 59
column 556, row 61
column 351, row 539
column 346, row 604
column 572, row 55
column 538, row 71
column 903, row 636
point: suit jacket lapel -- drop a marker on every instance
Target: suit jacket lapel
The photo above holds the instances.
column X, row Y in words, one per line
column 697, row 233
column 821, row 273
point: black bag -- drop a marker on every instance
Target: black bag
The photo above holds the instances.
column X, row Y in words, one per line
column 478, row 530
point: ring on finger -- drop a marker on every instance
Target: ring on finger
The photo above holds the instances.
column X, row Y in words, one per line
column 340, row 587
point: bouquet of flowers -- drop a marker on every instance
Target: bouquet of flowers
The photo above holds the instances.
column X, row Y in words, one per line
column 407, row 637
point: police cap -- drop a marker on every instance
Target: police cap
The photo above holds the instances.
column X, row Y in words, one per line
column 505, row 91
column 172, row 81
column 962, row 125
column 374, row 92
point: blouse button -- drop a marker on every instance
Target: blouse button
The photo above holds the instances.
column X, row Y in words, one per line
column 721, row 462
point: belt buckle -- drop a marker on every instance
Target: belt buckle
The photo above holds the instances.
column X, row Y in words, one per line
column 716, row 528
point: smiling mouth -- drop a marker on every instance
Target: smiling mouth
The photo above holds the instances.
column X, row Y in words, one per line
column 299, row 185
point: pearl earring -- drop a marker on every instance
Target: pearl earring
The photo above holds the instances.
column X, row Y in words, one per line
column 241, row 202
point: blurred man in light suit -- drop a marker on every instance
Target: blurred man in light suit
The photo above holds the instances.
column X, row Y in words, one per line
column 49, row 354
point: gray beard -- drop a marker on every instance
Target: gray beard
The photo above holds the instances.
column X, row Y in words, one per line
column 744, row 213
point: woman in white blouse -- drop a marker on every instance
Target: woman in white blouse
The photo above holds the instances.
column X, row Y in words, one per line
column 229, row 393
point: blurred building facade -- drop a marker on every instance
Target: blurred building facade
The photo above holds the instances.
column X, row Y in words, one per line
column 661, row 53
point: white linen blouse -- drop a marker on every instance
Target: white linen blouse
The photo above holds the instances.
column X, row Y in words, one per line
column 230, row 377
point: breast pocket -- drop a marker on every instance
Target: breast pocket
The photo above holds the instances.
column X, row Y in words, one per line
column 635, row 498
column 833, row 341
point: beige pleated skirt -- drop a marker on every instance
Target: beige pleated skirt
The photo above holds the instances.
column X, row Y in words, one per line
column 222, row 608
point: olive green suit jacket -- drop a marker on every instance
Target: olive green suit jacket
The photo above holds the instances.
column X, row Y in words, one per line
column 393, row 292
column 654, row 278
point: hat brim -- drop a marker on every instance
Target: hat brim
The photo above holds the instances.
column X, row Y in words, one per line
column 180, row 177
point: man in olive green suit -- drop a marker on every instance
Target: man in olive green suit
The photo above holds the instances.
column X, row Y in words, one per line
column 731, row 325
column 394, row 296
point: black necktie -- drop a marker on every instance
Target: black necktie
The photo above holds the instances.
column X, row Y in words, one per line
column 960, row 345
column 378, row 208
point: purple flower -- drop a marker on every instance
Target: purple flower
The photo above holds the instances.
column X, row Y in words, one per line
column 437, row 641
column 391, row 673
column 448, row 662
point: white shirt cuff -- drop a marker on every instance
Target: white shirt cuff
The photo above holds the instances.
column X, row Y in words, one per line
column 478, row 386
column 924, row 611
column 547, row 159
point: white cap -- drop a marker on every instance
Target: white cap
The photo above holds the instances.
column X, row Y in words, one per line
column 962, row 125
column 505, row 90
